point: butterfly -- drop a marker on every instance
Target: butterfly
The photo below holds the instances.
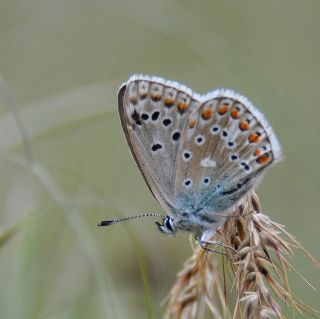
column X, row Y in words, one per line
column 200, row 155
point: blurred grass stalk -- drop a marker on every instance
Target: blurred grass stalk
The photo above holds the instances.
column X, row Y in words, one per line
column 102, row 278
column 257, row 271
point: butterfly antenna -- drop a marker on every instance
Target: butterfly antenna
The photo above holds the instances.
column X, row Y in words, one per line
column 119, row 220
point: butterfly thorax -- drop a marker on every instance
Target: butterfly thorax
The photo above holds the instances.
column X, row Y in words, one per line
column 196, row 223
column 197, row 212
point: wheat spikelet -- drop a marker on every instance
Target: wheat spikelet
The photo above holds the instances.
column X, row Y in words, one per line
column 198, row 287
column 257, row 270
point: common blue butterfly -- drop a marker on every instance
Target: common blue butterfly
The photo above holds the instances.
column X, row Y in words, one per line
column 200, row 155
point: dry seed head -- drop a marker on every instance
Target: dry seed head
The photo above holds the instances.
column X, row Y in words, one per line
column 257, row 272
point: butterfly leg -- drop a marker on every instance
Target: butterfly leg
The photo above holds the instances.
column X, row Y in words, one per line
column 204, row 241
column 221, row 244
column 204, row 244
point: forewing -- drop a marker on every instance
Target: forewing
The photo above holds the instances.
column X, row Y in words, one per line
column 227, row 144
column 153, row 112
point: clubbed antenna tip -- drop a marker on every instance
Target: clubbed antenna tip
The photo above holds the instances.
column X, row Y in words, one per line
column 106, row 223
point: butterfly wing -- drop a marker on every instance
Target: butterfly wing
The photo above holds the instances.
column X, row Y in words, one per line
column 227, row 145
column 153, row 112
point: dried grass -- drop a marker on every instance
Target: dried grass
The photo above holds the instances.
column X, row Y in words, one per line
column 257, row 272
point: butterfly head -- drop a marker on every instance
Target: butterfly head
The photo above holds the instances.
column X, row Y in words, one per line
column 167, row 226
column 182, row 222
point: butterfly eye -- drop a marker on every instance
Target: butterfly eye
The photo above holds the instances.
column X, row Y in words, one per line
column 167, row 223
column 167, row 227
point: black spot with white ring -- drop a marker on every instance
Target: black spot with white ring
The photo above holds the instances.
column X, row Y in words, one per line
column 230, row 145
column 155, row 116
column 215, row 129
column 206, row 181
column 175, row 136
column 186, row 155
column 199, row 139
column 187, row 183
column 245, row 166
column 233, row 157
column 166, row 122
column 156, row 147
column 145, row 116
column 136, row 117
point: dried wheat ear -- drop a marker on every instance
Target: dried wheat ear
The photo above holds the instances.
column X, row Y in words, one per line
column 248, row 282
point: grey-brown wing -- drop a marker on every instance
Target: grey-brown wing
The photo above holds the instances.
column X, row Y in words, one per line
column 226, row 147
column 153, row 113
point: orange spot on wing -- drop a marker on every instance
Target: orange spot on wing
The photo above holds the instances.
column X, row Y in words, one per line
column 207, row 113
column 182, row 106
column 168, row 101
column 192, row 123
column 156, row 97
column 253, row 138
column 263, row 159
column 235, row 114
column 223, row 109
column 244, row 126
column 257, row 152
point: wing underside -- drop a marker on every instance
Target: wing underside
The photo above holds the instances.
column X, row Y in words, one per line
column 212, row 149
column 153, row 113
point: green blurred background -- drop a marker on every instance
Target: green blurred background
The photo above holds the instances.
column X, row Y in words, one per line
column 61, row 63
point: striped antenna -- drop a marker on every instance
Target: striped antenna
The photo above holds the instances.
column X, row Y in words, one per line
column 119, row 220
